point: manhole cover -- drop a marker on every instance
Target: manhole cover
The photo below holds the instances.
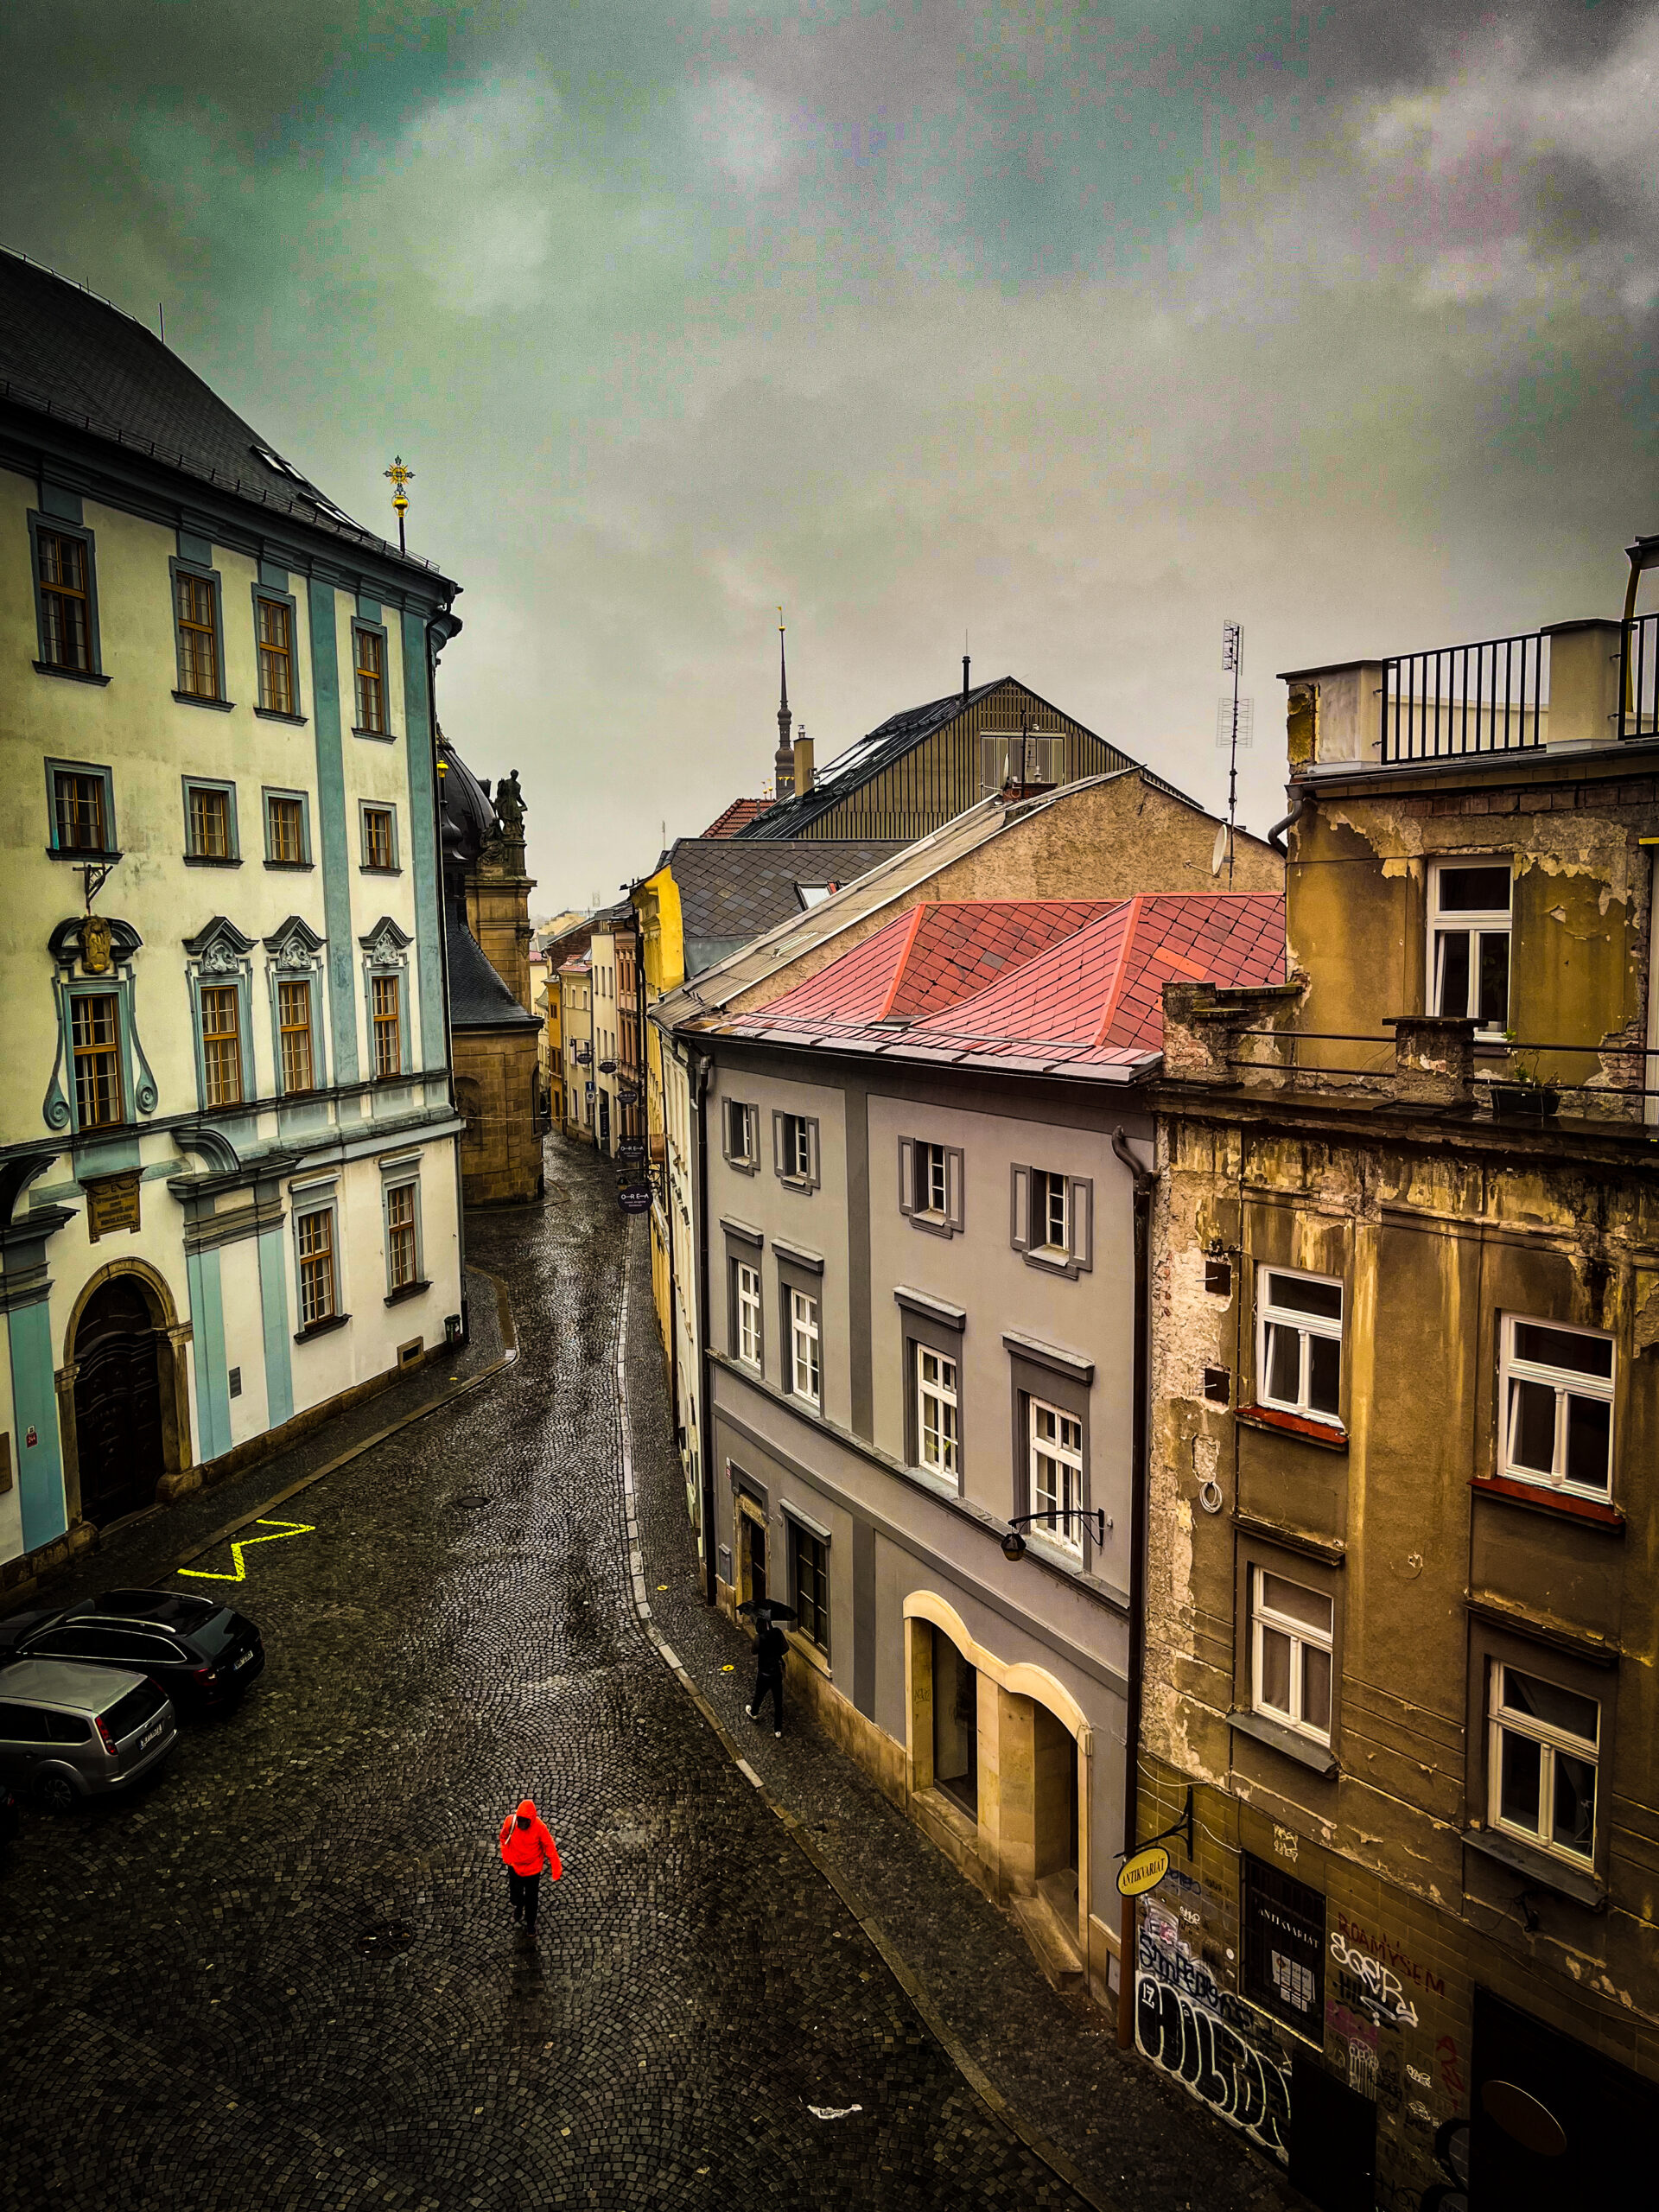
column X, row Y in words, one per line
column 470, row 1501
column 385, row 1937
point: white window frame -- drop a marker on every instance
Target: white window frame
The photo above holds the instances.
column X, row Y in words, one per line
column 394, row 1187
column 1474, row 923
column 749, row 1157
column 1565, row 1382
column 805, row 1361
column 795, row 1135
column 1269, row 1316
column 1046, row 1185
column 1502, row 1719
column 940, row 1398
column 1302, row 1638
column 747, row 1296
column 302, row 1216
column 1067, row 1457
column 933, row 1179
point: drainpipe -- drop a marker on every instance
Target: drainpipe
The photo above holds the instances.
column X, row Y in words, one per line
column 1298, row 808
column 1146, row 1182
column 441, row 628
column 701, row 1069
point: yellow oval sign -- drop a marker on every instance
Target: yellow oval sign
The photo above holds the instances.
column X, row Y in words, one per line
column 1144, row 1871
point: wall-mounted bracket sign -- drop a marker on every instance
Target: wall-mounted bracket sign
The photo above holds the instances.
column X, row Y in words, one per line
column 1144, row 1871
column 634, row 1198
column 1146, row 1865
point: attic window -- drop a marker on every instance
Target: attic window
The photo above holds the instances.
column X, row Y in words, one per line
column 813, row 895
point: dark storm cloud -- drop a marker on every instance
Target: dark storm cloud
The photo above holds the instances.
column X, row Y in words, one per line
column 1086, row 328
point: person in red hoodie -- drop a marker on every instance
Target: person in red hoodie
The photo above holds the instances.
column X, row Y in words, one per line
column 527, row 1846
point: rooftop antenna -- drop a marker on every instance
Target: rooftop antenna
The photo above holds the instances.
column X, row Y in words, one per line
column 161, row 317
column 964, row 663
column 400, row 478
column 1235, row 726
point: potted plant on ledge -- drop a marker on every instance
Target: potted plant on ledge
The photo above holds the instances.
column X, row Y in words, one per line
column 1520, row 1093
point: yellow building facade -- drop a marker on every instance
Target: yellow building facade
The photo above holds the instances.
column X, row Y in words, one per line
column 228, row 1193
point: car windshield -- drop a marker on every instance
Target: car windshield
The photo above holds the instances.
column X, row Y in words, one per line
column 132, row 1711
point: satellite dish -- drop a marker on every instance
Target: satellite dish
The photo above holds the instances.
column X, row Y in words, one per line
column 1218, row 857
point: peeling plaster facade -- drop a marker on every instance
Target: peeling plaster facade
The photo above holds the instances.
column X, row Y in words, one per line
column 1357, row 1946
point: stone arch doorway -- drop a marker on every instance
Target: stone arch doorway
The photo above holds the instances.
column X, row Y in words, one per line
column 122, row 1395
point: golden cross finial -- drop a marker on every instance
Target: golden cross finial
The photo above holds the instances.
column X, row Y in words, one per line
column 399, row 477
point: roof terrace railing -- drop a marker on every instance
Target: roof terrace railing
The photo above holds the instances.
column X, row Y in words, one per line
column 1491, row 697
column 1638, row 687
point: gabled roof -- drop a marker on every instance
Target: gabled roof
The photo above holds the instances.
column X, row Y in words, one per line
column 934, row 957
column 478, row 997
column 870, row 755
column 1090, row 1005
column 888, row 888
column 731, row 892
column 738, row 815
column 66, row 353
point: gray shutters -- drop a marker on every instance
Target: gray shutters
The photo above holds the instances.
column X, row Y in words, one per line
column 1080, row 1221
column 953, row 1168
column 906, row 1175
column 1019, row 1210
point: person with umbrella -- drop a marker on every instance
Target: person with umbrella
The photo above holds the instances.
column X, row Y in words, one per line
column 771, row 1648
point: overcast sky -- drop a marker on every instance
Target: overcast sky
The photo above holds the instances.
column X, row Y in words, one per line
column 1083, row 328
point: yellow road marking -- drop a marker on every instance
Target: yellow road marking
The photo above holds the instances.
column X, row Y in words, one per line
column 282, row 1528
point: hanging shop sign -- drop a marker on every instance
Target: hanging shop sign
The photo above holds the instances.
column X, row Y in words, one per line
column 631, row 1149
column 634, row 1198
column 1142, row 1873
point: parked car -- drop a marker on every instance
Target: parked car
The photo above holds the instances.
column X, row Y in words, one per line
column 201, row 1653
column 68, row 1732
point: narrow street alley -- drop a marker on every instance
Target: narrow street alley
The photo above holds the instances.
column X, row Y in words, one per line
column 450, row 1625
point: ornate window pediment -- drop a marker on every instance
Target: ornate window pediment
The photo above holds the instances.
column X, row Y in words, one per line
column 98, row 942
column 294, row 943
column 100, row 1077
column 387, row 945
column 220, row 948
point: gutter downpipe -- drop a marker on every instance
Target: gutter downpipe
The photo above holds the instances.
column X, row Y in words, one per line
column 1298, row 808
column 1146, row 1182
column 701, row 1069
column 439, row 629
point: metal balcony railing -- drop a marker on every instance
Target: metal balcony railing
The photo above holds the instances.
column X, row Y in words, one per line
column 1491, row 697
column 1638, row 687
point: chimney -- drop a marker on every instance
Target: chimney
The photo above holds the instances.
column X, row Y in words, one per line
column 964, row 679
column 803, row 762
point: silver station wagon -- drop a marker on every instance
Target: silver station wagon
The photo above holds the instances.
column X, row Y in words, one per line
column 69, row 1732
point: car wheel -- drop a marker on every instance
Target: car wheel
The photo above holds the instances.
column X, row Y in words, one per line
column 57, row 1793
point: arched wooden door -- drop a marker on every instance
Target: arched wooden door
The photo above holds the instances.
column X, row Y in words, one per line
column 118, row 1403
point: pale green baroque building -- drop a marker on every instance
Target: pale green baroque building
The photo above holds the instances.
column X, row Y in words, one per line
column 228, row 1186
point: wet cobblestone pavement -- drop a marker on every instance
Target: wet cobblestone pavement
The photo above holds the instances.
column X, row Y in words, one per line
column 201, row 2005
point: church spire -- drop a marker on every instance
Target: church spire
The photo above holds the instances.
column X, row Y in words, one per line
column 784, row 761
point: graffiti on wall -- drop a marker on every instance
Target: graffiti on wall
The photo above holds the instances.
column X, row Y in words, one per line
column 1208, row 2038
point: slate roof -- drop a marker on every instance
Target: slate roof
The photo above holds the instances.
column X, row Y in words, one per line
column 731, row 892
column 66, row 353
column 889, row 741
column 478, row 997
column 865, row 758
column 738, row 815
column 1090, row 1005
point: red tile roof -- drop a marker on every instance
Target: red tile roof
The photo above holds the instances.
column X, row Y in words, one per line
column 1032, row 983
column 738, row 815
column 934, row 956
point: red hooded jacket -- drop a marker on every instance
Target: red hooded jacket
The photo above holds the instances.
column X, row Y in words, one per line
column 526, row 1850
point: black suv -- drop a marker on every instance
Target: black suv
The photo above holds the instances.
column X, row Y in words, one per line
column 203, row 1654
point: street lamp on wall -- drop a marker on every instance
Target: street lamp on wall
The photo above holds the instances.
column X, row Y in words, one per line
column 1013, row 1544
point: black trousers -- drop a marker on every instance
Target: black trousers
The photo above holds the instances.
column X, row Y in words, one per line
column 525, row 1889
column 771, row 1686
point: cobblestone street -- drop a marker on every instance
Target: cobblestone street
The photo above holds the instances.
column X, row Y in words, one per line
column 202, row 2005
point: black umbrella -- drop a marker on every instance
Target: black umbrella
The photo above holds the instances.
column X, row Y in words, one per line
column 775, row 1607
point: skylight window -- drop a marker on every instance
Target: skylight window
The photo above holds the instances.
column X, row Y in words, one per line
column 275, row 460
